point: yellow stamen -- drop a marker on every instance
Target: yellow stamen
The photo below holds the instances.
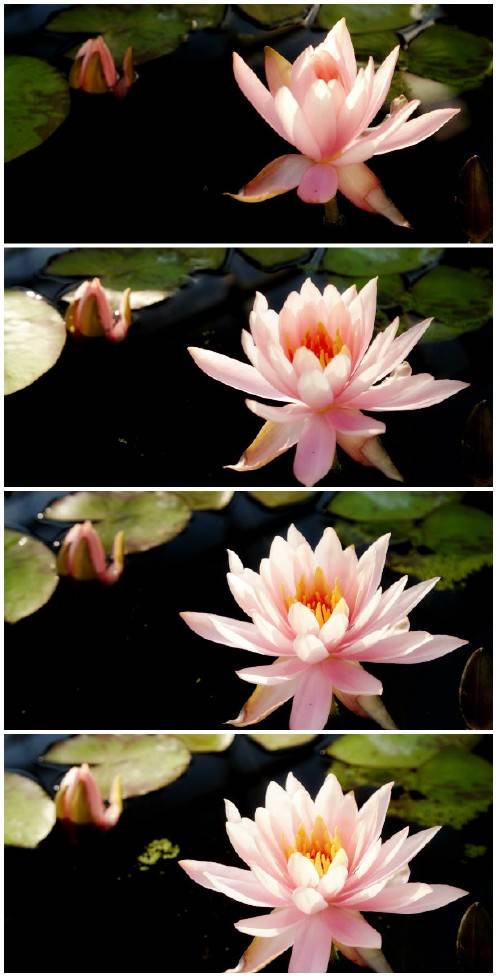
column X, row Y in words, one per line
column 320, row 847
column 317, row 595
column 320, row 342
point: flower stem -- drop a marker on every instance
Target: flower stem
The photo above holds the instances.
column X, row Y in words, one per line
column 332, row 215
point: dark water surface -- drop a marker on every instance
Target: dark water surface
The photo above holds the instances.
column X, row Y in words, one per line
column 155, row 167
column 87, row 905
column 121, row 657
column 141, row 413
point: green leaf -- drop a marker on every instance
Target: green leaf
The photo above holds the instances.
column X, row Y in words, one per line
column 452, row 569
column 395, row 505
column 207, row 743
column 458, row 528
column 377, row 44
column 450, row 55
column 148, row 517
column 34, row 337
column 144, row 762
column 281, row 498
column 270, row 258
column 37, row 101
column 459, row 300
column 206, row 499
column 29, row 813
column 137, row 268
column 364, row 17
column 151, row 29
column 30, row 575
column 275, row 14
column 386, row 751
column 456, row 787
column 280, row 743
column 369, row 262
column 355, row 533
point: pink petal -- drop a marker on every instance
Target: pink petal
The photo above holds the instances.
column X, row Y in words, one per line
column 351, row 929
column 302, row 871
column 440, row 895
column 276, row 673
column 310, row 649
column 262, row 702
column 360, row 185
column 411, row 898
column 319, row 184
column 228, row 632
column 234, row 373
column 271, row 441
column 236, row 883
column 312, row 947
column 352, row 680
column 315, row 451
column 264, row 951
column 270, row 925
column 418, row 391
column 278, row 413
column 382, row 81
column 312, row 702
column 278, row 69
column 295, row 125
column 350, row 420
column 278, row 177
column 256, row 93
column 436, row 646
column 416, row 130
column 308, row 900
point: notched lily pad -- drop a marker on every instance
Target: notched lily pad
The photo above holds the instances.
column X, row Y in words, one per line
column 366, row 17
column 396, row 505
column 206, row 499
column 148, row 518
column 30, row 575
column 37, row 101
column 369, row 262
column 383, row 751
column 207, row 743
column 458, row 300
column 138, row 268
column 29, row 813
column 280, row 743
column 151, row 29
column 34, row 336
column 450, row 55
column 280, row 498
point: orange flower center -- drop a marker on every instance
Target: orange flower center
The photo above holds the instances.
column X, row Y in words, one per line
column 318, row 596
column 325, row 66
column 319, row 341
column 320, row 847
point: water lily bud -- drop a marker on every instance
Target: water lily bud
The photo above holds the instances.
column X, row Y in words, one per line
column 94, row 69
column 79, row 800
column 90, row 313
column 82, row 555
column 128, row 75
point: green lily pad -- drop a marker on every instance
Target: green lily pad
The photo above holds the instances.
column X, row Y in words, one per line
column 148, row 518
column 280, row 743
column 274, row 14
column 206, row 499
column 145, row 762
column 366, row 17
column 30, row 575
column 458, row 528
column 151, row 29
column 207, row 743
column 37, row 101
column 456, row 787
column 396, row 505
column 459, row 300
column 369, row 262
column 389, row 752
column 34, row 337
column 29, row 813
column 281, row 498
column 452, row 569
column 377, row 44
column 270, row 258
column 450, row 55
column 137, row 268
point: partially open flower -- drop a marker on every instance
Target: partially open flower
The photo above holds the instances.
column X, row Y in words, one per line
column 82, row 555
column 90, row 313
column 323, row 106
column 79, row 800
column 94, row 70
column 319, row 612
column 318, row 864
column 319, row 355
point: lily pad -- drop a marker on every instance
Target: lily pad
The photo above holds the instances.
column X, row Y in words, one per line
column 274, row 14
column 270, row 258
column 457, row 528
column 456, row 787
column 459, row 300
column 281, row 498
column 396, row 505
column 151, row 29
column 383, row 751
column 366, row 17
column 29, row 813
column 452, row 569
column 37, row 101
column 206, row 499
column 280, row 743
column 148, row 518
column 450, row 55
column 145, row 762
column 34, row 337
column 30, row 575
column 369, row 262
column 377, row 44
column 137, row 268
column 207, row 743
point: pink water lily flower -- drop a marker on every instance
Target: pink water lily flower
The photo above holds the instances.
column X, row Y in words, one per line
column 94, row 71
column 319, row 613
column 318, row 864
column 323, row 106
column 82, row 555
column 317, row 354
column 79, row 799
column 90, row 313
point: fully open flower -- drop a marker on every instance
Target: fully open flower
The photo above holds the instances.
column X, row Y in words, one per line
column 82, row 555
column 79, row 800
column 319, row 613
column 90, row 314
column 94, row 70
column 318, row 864
column 317, row 354
column 323, row 106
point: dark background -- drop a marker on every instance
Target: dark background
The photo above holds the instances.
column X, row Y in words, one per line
column 86, row 904
column 121, row 657
column 155, row 167
column 141, row 413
